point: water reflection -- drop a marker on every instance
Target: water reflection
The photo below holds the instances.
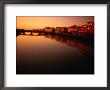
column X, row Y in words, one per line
column 87, row 48
column 53, row 54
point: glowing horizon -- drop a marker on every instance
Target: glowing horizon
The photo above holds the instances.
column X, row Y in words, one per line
column 39, row 22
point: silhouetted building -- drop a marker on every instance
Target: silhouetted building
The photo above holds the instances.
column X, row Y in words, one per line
column 48, row 29
column 72, row 29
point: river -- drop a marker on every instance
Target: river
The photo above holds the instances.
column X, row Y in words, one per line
column 52, row 54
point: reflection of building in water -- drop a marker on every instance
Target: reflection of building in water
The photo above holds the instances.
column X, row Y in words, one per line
column 86, row 49
column 57, row 38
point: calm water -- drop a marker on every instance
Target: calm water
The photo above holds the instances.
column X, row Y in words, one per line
column 47, row 54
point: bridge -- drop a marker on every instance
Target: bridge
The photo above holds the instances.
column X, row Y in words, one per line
column 72, row 34
column 23, row 32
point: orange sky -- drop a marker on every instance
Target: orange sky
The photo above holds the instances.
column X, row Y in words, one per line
column 38, row 22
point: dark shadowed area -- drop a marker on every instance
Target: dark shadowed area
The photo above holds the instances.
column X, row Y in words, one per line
column 53, row 54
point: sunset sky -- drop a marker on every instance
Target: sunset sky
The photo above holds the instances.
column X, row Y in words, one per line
column 39, row 22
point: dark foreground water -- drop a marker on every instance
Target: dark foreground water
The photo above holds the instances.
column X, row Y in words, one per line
column 47, row 54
